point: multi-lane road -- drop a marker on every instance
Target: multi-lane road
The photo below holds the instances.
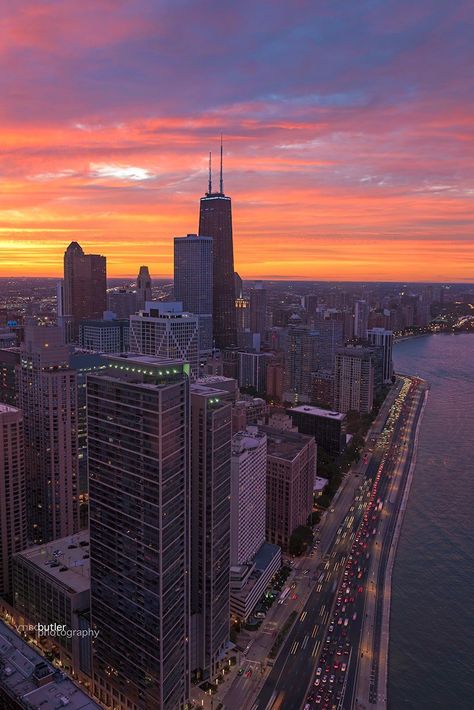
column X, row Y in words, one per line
column 321, row 663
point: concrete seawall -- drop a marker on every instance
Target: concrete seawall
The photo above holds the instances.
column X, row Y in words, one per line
column 387, row 595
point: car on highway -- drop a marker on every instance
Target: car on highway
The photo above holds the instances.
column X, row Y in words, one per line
column 240, row 671
column 318, row 699
column 319, row 670
column 343, row 668
column 249, row 673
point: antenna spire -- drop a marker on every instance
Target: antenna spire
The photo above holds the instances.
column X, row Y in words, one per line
column 221, row 182
column 209, row 188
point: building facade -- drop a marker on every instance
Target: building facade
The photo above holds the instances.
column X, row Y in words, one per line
column 193, row 264
column 144, row 292
column 13, row 530
column 47, row 395
column 164, row 330
column 354, row 380
column 291, row 470
column 211, row 437
column 384, row 339
column 84, row 287
column 215, row 220
column 139, row 488
column 248, row 494
column 327, row 428
column 104, row 336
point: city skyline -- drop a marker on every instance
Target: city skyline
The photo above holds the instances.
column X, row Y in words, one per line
column 347, row 138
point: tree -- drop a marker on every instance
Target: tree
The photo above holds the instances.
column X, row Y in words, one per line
column 301, row 537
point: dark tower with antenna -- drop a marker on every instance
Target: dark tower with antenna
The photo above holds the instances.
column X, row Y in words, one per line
column 215, row 220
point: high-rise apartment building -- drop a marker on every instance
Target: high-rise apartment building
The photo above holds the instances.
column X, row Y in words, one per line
column 84, row 287
column 248, row 494
column 354, row 380
column 361, row 319
column 164, row 330
column 300, row 362
column 330, row 337
column 193, row 264
column 143, row 288
column 291, row 470
column 13, row 532
column 215, row 220
column 253, row 370
column 211, row 437
column 139, row 487
column 258, row 310
column 47, row 395
column 384, row 339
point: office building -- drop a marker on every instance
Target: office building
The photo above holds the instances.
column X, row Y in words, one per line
column 47, row 396
column 211, row 437
column 361, row 319
column 275, row 380
column 291, row 471
column 215, row 220
column 84, row 364
column 258, row 309
column 322, row 388
column 330, row 337
column 144, row 293
column 238, row 285
column 139, row 487
column 28, row 681
column 104, row 336
column 51, row 585
column 327, row 428
column 242, row 314
column 193, row 263
column 9, row 361
column 248, row 494
column 253, row 370
column 163, row 329
column 84, row 288
column 354, row 380
column 13, row 529
column 122, row 303
column 249, row 580
column 300, row 362
column 384, row 339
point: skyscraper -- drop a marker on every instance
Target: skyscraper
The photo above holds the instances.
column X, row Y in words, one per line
column 211, row 436
column 383, row 338
column 84, row 288
column 193, row 282
column 215, row 220
column 258, row 309
column 164, row 330
column 354, row 380
column 248, row 494
column 12, row 492
column 291, row 470
column 361, row 319
column 300, row 362
column 48, row 398
column 143, row 287
column 138, row 424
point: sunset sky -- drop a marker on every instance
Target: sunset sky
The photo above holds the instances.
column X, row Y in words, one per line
column 348, row 134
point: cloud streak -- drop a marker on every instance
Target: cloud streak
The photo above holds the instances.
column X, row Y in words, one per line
column 350, row 128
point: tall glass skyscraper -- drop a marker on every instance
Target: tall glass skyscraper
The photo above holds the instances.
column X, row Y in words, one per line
column 139, row 485
column 193, row 282
column 215, row 220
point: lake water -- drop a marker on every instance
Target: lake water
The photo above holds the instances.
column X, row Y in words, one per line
column 432, row 623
